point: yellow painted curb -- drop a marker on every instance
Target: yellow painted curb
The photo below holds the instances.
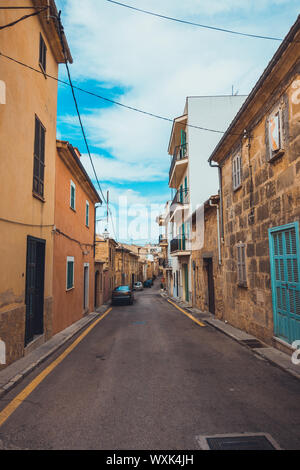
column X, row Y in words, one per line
column 187, row 314
column 18, row 400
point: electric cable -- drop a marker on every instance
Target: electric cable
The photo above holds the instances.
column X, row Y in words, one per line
column 214, row 28
column 23, row 18
column 138, row 110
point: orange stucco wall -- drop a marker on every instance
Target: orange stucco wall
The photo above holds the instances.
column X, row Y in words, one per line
column 69, row 305
column 27, row 94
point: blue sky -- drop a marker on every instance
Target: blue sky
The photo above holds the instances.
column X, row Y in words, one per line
column 153, row 64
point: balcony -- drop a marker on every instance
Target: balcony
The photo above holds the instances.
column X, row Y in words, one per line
column 180, row 201
column 180, row 246
column 178, row 165
column 163, row 241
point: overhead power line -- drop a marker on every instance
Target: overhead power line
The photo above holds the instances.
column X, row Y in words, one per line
column 138, row 110
column 23, row 18
column 61, row 32
column 76, row 104
column 178, row 20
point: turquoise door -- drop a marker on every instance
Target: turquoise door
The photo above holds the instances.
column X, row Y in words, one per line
column 285, row 269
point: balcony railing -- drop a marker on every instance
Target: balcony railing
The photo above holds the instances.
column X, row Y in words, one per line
column 181, row 197
column 162, row 239
column 178, row 244
column 180, row 152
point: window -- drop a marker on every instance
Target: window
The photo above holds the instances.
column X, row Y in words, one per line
column 39, row 158
column 43, row 53
column 73, row 196
column 87, row 214
column 241, row 264
column 70, row 272
column 236, row 172
column 275, row 134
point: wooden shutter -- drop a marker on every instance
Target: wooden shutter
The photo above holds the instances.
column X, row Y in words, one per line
column 236, row 172
column 70, row 274
column 39, row 158
column 43, row 53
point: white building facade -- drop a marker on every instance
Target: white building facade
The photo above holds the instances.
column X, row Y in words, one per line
column 194, row 136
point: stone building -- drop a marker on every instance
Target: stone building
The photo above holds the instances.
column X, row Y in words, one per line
column 259, row 165
column 207, row 292
column 106, row 253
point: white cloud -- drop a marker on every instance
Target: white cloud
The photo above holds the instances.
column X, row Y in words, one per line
column 159, row 63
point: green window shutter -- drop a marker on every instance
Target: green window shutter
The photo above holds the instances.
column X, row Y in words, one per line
column 87, row 214
column 72, row 202
column 185, row 185
column 181, row 194
column 183, row 137
column 70, row 275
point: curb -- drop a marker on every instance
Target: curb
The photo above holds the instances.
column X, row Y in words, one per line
column 15, row 380
column 260, row 352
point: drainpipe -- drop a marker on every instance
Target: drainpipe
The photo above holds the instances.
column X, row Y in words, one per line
column 218, row 223
column 221, row 199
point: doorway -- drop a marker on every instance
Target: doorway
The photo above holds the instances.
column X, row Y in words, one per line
column 208, row 265
column 285, row 276
column 34, row 295
column 86, row 286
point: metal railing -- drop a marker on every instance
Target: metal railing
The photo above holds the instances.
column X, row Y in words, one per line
column 180, row 152
column 162, row 238
column 180, row 244
column 181, row 197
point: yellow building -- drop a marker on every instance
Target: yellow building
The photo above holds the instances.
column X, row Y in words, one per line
column 27, row 169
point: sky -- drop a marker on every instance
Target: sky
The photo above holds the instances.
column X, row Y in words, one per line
column 154, row 64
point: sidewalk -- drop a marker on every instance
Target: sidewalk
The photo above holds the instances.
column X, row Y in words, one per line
column 17, row 371
column 259, row 348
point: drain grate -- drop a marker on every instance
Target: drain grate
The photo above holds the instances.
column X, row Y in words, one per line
column 238, row 442
column 253, row 343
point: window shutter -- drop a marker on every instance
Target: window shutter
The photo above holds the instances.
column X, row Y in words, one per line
column 70, row 274
column 39, row 158
column 87, row 214
column 234, row 173
column 43, row 53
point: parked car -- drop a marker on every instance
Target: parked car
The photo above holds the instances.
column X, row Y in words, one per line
column 122, row 294
column 148, row 283
column 138, row 286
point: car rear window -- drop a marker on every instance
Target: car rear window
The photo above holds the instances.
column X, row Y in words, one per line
column 122, row 288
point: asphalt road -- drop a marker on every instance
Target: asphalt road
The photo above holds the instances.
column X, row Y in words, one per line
column 148, row 377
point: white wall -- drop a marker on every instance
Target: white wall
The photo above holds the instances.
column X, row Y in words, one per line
column 215, row 112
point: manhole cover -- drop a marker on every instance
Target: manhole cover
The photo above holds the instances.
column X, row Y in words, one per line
column 238, row 442
column 253, row 343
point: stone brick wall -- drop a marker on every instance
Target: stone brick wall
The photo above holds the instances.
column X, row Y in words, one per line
column 269, row 196
column 12, row 331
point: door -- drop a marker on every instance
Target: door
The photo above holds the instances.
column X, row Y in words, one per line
column 186, row 282
column 86, row 287
column 285, row 269
column 34, row 296
column 97, row 288
column 208, row 263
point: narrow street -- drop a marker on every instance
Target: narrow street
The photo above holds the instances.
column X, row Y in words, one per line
column 148, row 377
